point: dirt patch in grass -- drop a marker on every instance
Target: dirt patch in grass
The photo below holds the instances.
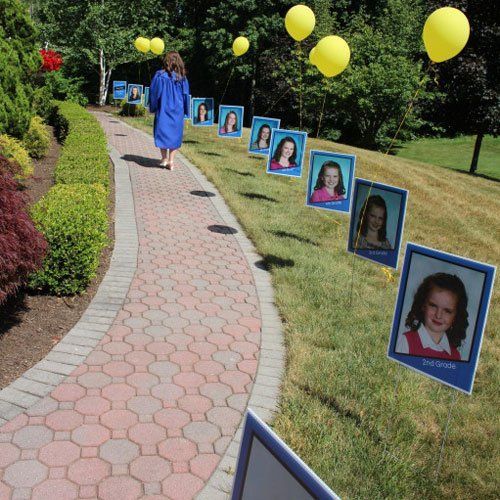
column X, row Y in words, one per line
column 31, row 324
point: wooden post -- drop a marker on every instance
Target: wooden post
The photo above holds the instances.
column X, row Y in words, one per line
column 475, row 156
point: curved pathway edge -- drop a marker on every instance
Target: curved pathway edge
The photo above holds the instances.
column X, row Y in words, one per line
column 78, row 343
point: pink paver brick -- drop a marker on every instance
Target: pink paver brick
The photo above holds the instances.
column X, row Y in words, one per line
column 122, row 487
column 90, row 435
column 149, row 469
column 204, row 465
column 172, row 418
column 181, row 486
column 59, row 453
column 119, row 419
column 147, row 433
column 64, row 420
column 60, row 489
column 118, row 392
column 68, row 392
column 88, row 471
column 92, row 405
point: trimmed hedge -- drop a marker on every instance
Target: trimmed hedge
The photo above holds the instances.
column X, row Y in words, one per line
column 84, row 158
column 74, row 221
column 73, row 214
column 37, row 138
column 14, row 150
column 127, row 109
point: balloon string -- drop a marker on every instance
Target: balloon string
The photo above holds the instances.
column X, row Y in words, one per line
column 300, row 85
column 407, row 112
column 321, row 113
column 277, row 100
column 227, row 84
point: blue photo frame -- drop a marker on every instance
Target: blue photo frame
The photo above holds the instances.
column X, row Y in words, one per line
column 292, row 141
column 134, row 93
column 261, row 126
column 268, row 468
column 188, row 116
column 119, row 90
column 230, row 121
column 146, row 97
column 335, row 169
column 447, row 277
column 386, row 206
column 205, row 119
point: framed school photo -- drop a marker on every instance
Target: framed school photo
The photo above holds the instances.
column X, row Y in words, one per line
column 286, row 152
column 440, row 315
column 146, row 97
column 230, row 121
column 119, row 90
column 329, row 184
column 134, row 93
column 202, row 112
column 268, row 468
column 377, row 219
column 260, row 134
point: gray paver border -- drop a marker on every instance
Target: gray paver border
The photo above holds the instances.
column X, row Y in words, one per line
column 79, row 342
column 266, row 388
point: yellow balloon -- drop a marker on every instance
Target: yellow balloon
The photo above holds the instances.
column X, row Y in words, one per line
column 157, row 46
column 445, row 34
column 142, row 44
column 312, row 56
column 240, row 46
column 299, row 22
column 332, row 55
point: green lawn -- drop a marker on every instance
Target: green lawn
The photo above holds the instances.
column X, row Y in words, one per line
column 456, row 153
column 339, row 409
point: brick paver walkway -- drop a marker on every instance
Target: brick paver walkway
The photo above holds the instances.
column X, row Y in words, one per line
column 157, row 402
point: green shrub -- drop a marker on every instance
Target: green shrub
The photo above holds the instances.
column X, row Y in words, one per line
column 37, row 139
column 74, row 221
column 43, row 104
column 127, row 109
column 84, row 158
column 13, row 149
column 65, row 88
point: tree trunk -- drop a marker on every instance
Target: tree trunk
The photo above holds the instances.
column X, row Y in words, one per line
column 475, row 156
column 103, row 87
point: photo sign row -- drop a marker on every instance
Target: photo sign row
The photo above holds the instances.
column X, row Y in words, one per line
column 134, row 93
column 443, row 299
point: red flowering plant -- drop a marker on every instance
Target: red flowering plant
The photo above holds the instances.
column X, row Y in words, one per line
column 52, row 60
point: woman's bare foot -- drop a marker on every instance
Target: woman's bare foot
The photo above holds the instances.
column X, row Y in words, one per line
column 164, row 163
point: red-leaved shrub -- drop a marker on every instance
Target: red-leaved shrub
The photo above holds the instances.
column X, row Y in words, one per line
column 52, row 60
column 22, row 246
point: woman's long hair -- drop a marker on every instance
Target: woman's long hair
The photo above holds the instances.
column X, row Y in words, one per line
column 448, row 282
column 320, row 182
column 277, row 153
column 172, row 62
column 372, row 201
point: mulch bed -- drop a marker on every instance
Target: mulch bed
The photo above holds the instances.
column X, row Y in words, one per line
column 31, row 324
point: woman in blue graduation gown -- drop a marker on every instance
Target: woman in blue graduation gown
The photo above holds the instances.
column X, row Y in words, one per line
column 169, row 100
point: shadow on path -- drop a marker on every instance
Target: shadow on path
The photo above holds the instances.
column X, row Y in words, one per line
column 219, row 228
column 142, row 161
column 206, row 194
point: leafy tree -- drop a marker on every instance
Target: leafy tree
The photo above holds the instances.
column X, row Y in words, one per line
column 98, row 35
column 471, row 81
column 19, row 60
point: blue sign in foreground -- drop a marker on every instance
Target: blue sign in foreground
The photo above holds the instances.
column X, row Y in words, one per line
column 268, row 468
column 440, row 315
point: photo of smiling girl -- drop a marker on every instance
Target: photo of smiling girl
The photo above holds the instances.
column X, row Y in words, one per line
column 330, row 184
column 438, row 319
column 231, row 118
column 286, row 153
column 440, row 315
column 260, row 134
column 372, row 225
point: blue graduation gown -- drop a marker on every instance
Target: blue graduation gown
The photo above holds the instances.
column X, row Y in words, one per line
column 169, row 100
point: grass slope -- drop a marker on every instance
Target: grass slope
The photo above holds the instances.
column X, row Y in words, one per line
column 456, row 153
column 368, row 427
